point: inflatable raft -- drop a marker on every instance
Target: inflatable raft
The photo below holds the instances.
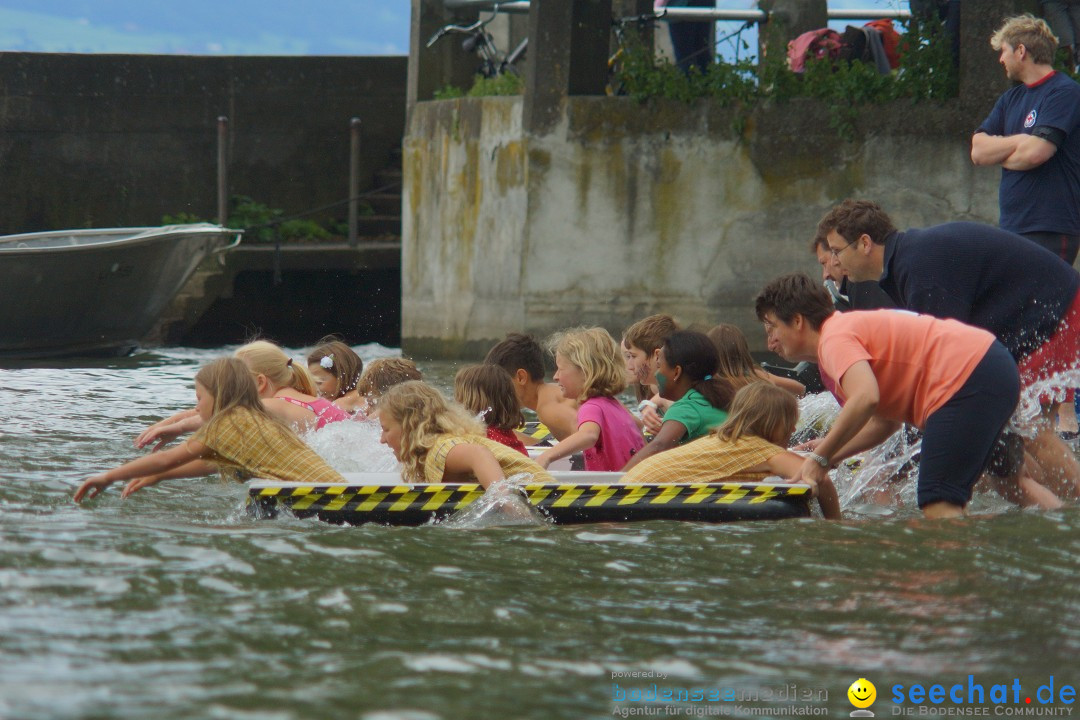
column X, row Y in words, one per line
column 575, row 498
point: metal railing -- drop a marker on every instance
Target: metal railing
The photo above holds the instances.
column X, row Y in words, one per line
column 689, row 13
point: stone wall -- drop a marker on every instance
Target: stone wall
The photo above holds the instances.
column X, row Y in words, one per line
column 116, row 140
column 626, row 209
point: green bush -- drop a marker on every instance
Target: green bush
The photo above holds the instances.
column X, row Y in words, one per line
column 926, row 73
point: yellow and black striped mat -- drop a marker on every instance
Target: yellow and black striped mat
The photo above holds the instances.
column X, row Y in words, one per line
column 400, row 504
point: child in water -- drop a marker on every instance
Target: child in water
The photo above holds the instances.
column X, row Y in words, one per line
column 591, row 371
column 336, row 369
column 686, row 373
column 381, row 375
column 749, row 446
column 642, row 342
column 238, row 437
column 487, row 391
column 439, row 442
column 287, row 390
column 737, row 366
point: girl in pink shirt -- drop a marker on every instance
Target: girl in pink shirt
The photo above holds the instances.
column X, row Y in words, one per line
column 590, row 369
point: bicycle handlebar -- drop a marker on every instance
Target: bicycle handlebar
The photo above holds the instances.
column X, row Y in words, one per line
column 445, row 29
column 643, row 18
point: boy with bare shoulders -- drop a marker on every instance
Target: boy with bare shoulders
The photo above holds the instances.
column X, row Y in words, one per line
column 522, row 357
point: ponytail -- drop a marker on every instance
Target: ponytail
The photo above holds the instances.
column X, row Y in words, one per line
column 696, row 354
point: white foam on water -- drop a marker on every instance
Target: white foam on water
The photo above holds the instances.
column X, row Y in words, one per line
column 353, row 446
column 503, row 504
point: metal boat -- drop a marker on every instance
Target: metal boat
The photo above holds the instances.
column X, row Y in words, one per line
column 95, row 292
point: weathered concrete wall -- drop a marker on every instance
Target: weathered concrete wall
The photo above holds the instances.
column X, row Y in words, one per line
column 465, row 206
column 624, row 210
column 98, row 140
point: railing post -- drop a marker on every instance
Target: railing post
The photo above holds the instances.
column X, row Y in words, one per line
column 222, row 171
column 354, row 180
column 786, row 20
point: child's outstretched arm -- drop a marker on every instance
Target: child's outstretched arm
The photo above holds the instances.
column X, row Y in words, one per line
column 671, row 433
column 169, row 429
column 586, row 436
column 151, row 464
column 195, row 468
column 476, row 460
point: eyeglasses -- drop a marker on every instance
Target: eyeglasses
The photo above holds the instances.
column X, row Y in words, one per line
column 836, row 253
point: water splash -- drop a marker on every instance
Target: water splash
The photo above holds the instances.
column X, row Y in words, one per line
column 353, row 446
column 1029, row 409
column 503, row 504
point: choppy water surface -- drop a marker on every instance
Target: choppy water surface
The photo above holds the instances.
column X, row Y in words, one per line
column 174, row 604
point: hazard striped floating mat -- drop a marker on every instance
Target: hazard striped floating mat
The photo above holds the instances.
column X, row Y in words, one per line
column 575, row 497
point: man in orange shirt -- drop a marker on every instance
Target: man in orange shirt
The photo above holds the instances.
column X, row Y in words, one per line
column 956, row 383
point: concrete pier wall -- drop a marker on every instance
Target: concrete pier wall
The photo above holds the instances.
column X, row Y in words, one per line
column 623, row 209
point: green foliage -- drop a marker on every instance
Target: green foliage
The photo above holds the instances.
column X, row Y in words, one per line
column 256, row 218
column 926, row 73
column 449, row 93
column 266, row 225
column 506, row 84
column 181, row 218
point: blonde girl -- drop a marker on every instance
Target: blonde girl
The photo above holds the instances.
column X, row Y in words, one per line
column 749, row 446
column 287, row 387
column 737, row 366
column 238, row 437
column 336, row 370
column 437, row 441
column 287, row 390
column 591, row 371
column 487, row 391
column 381, row 375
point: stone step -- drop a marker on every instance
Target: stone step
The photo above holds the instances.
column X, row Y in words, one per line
column 386, row 203
column 378, row 225
column 389, row 176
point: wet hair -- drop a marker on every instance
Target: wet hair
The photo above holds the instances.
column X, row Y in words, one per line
column 736, row 364
column 794, row 294
column 423, row 414
column 344, row 364
column 1031, row 32
column 648, row 334
column 594, row 352
column 761, row 410
column 384, row 373
column 854, row 218
column 487, row 389
column 266, row 358
column 232, row 385
column 518, row 352
column 695, row 353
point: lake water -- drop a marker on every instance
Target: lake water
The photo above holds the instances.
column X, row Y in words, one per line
column 174, row 604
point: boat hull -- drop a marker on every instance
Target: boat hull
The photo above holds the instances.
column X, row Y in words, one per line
column 575, row 498
column 94, row 292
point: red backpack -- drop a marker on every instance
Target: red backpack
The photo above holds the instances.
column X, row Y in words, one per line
column 813, row 44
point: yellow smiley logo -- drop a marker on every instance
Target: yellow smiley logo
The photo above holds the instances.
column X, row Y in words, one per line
column 862, row 693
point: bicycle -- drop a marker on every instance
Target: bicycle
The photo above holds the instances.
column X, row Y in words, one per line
column 492, row 62
column 614, row 84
